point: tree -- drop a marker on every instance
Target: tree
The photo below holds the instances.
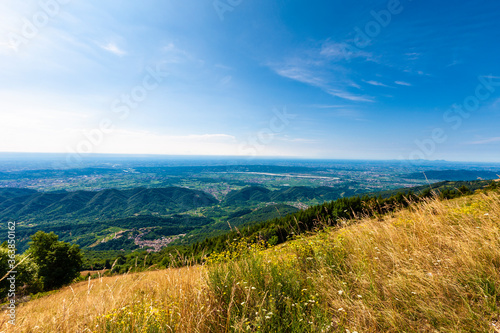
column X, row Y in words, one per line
column 25, row 272
column 59, row 262
column 464, row 190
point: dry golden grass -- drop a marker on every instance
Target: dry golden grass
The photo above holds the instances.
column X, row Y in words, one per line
column 77, row 308
column 434, row 267
column 85, row 273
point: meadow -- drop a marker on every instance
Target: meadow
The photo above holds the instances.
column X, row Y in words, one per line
column 432, row 267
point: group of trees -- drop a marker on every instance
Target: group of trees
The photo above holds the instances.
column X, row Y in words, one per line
column 47, row 264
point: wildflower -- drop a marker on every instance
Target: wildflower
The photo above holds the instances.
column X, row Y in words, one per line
column 242, row 303
column 340, row 309
column 340, row 292
column 359, row 296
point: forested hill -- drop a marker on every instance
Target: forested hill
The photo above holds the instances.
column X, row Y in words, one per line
column 26, row 205
column 452, row 175
column 255, row 194
column 127, row 219
column 33, row 206
column 443, row 187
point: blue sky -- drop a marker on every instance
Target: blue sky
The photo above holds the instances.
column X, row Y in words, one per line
column 320, row 79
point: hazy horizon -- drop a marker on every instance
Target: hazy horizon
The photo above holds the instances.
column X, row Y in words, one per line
column 224, row 157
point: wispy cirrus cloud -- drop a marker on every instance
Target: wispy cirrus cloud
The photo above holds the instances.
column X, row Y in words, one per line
column 375, row 83
column 342, row 51
column 302, row 75
column 113, row 48
column 349, row 96
column 413, row 55
column 317, row 74
column 454, row 63
column 330, row 66
column 327, row 106
column 296, row 140
column 485, row 141
column 403, row 83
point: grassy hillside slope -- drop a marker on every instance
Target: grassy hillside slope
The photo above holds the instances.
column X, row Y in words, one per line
column 433, row 267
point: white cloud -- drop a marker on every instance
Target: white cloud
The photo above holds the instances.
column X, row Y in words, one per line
column 226, row 80
column 402, row 83
column 326, row 68
column 172, row 54
column 375, row 83
column 347, row 95
column 485, row 141
column 221, row 66
column 454, row 63
column 413, row 55
column 326, row 106
column 312, row 78
column 113, row 48
column 343, row 51
column 297, row 140
column 196, row 137
column 301, row 75
column 145, row 142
